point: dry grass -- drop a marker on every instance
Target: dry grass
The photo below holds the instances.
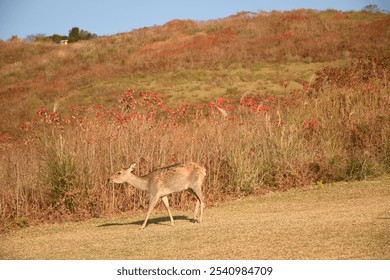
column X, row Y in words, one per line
column 338, row 221
column 335, row 128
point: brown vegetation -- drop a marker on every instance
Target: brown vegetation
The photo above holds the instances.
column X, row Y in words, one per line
column 35, row 74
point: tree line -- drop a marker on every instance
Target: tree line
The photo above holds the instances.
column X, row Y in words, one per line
column 75, row 34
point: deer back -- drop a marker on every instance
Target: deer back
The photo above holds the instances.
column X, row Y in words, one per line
column 175, row 178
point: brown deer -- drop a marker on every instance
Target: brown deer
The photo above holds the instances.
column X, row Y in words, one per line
column 164, row 181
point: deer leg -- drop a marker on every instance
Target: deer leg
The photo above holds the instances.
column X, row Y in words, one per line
column 196, row 210
column 199, row 196
column 201, row 209
column 166, row 204
column 152, row 202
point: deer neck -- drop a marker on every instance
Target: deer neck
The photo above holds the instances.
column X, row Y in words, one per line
column 140, row 183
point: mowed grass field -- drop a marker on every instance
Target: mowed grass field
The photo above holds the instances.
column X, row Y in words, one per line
column 337, row 221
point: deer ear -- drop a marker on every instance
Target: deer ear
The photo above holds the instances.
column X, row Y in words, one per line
column 132, row 167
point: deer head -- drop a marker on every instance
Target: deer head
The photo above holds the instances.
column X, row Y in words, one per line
column 122, row 175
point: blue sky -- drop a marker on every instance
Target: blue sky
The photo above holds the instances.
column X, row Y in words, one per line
column 106, row 17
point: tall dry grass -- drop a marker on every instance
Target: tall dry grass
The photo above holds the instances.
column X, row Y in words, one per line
column 335, row 128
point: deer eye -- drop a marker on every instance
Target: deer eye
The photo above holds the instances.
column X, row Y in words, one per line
column 119, row 173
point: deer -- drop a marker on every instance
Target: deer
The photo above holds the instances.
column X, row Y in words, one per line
column 164, row 181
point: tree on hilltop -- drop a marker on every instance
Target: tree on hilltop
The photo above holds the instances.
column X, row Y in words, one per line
column 372, row 8
column 76, row 34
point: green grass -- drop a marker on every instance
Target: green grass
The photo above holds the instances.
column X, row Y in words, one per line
column 337, row 221
column 197, row 86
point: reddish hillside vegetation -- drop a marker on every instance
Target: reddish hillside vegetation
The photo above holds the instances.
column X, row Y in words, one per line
column 35, row 74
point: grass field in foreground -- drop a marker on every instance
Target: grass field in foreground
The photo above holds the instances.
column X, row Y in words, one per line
column 337, row 221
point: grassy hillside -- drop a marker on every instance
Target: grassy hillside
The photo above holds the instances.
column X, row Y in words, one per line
column 266, row 101
column 184, row 59
column 341, row 221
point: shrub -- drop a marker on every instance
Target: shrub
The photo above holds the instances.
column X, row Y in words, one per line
column 59, row 174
